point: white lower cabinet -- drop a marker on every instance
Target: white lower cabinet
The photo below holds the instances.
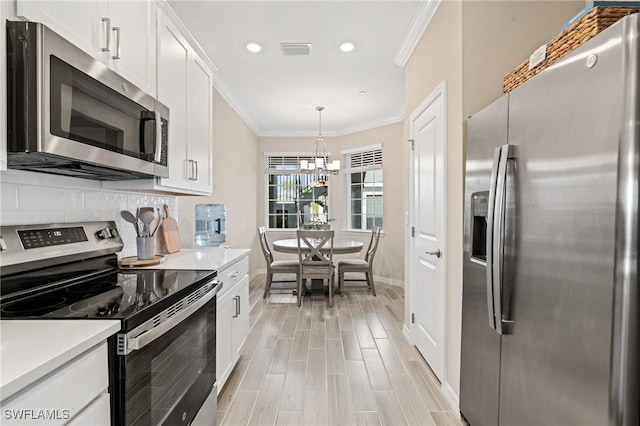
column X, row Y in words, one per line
column 97, row 413
column 75, row 393
column 232, row 318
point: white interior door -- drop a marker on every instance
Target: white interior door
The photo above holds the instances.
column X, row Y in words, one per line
column 428, row 284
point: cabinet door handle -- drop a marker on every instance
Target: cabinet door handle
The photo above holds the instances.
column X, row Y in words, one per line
column 107, row 34
column 235, row 273
column 237, row 313
column 189, row 170
column 193, row 170
column 118, row 35
column 196, row 163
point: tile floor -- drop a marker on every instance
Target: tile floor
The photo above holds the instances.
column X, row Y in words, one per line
column 348, row 365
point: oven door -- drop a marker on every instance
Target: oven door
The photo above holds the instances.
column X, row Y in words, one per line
column 165, row 373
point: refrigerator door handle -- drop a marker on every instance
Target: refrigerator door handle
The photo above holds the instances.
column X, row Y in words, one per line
column 489, row 242
column 497, row 256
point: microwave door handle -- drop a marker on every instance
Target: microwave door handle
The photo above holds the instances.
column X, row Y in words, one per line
column 489, row 242
column 158, row 148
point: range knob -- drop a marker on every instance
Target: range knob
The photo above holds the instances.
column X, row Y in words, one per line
column 106, row 233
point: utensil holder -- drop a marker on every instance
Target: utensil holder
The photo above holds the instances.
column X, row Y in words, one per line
column 146, row 247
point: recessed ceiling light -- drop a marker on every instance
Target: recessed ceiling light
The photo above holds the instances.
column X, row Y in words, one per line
column 254, row 47
column 363, row 92
column 347, row 46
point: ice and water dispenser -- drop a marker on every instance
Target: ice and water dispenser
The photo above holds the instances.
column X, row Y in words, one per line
column 211, row 224
column 479, row 207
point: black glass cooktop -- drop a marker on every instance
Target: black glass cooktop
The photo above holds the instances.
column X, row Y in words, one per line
column 96, row 289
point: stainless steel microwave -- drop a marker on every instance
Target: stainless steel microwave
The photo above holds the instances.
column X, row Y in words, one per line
column 69, row 114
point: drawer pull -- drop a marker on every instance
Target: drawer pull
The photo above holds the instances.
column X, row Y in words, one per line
column 234, row 274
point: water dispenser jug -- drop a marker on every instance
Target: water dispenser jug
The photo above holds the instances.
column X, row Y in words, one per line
column 210, row 224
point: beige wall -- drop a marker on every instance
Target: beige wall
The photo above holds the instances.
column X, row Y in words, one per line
column 389, row 259
column 438, row 57
column 235, row 168
column 471, row 45
column 500, row 35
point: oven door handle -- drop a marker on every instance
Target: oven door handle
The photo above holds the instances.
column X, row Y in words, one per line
column 142, row 336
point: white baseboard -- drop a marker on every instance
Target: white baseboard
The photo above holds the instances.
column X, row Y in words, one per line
column 254, row 274
column 407, row 333
column 451, row 396
column 388, row 281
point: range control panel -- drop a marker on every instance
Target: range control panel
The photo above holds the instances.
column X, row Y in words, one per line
column 35, row 238
column 27, row 247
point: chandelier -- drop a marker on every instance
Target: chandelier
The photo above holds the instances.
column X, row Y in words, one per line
column 319, row 163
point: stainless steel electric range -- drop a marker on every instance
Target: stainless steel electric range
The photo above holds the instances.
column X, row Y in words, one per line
column 162, row 362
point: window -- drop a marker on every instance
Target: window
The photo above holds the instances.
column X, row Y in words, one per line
column 294, row 198
column 364, row 187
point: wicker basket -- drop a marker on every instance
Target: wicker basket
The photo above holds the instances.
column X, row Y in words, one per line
column 592, row 23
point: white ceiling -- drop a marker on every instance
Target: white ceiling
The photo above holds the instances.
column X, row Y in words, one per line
column 277, row 95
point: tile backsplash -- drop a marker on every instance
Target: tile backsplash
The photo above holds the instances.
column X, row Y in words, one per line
column 29, row 198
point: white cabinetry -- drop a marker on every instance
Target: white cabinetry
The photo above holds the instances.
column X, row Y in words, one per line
column 185, row 85
column 76, row 393
column 121, row 34
column 232, row 318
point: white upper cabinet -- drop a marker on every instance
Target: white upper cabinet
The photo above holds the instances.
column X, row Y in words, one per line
column 173, row 65
column 185, row 85
column 79, row 22
column 147, row 44
column 133, row 42
column 200, row 118
column 121, row 34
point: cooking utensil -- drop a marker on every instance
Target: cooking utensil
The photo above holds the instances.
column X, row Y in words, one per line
column 129, row 217
column 146, row 217
column 170, row 232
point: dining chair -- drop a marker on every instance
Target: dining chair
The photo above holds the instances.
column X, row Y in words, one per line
column 315, row 256
column 359, row 265
column 277, row 266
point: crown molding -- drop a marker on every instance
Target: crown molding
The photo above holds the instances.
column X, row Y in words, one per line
column 222, row 88
column 184, row 31
column 425, row 13
column 336, row 133
column 218, row 82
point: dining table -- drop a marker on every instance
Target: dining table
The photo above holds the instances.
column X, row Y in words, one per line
column 340, row 246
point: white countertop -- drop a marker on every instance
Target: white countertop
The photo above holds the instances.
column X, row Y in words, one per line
column 30, row 349
column 203, row 258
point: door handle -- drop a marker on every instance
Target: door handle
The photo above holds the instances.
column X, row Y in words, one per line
column 108, row 34
column 118, row 35
column 158, row 147
column 436, row 253
column 193, row 172
column 495, row 238
column 237, row 313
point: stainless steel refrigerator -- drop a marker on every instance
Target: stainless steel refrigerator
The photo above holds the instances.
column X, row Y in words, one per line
column 550, row 323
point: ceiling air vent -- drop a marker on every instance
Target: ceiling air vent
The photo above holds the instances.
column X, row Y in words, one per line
column 295, row 49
